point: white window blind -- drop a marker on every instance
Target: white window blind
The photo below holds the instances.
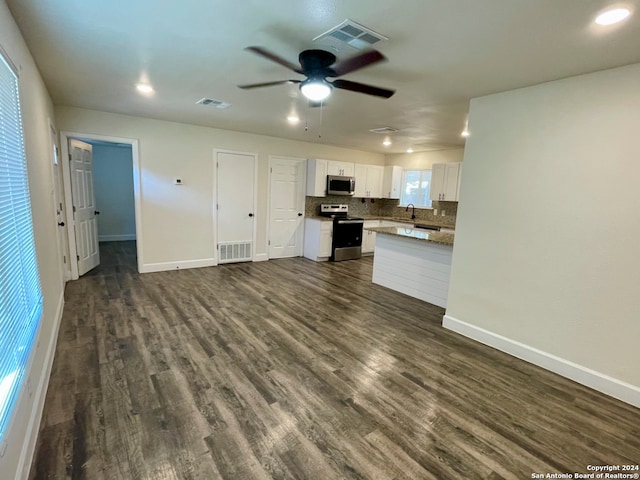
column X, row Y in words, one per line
column 20, row 294
column 416, row 185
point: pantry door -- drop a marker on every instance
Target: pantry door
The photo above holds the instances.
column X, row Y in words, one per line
column 286, row 206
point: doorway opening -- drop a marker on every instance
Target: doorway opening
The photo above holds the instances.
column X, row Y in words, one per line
column 102, row 188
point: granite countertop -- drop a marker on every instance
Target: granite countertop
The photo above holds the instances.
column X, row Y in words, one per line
column 408, row 221
column 417, row 234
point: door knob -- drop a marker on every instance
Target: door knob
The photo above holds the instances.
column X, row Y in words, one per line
column 96, row 212
column 251, row 214
column 299, row 214
column 61, row 224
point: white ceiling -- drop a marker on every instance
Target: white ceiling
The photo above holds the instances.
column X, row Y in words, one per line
column 441, row 53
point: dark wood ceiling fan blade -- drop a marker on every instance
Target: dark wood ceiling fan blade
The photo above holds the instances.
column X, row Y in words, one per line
column 275, row 58
column 362, row 88
column 267, row 84
column 357, row 62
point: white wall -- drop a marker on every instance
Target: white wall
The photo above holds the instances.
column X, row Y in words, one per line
column 177, row 222
column 424, row 160
column 547, row 234
column 113, row 188
column 37, row 109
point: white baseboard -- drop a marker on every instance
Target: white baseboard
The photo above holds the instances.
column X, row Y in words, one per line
column 164, row 266
column 598, row 381
column 116, row 238
column 260, row 257
column 33, row 427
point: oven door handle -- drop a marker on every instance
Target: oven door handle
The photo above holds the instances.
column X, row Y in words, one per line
column 350, row 221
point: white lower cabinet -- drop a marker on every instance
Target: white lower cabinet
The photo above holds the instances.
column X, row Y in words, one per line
column 317, row 239
column 369, row 238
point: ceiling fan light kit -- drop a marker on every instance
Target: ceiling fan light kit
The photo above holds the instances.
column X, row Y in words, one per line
column 315, row 89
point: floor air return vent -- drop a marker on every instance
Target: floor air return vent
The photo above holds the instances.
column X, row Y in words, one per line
column 234, row 252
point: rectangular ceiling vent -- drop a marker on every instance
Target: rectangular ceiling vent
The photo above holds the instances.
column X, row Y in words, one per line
column 384, row 130
column 214, row 103
column 352, row 34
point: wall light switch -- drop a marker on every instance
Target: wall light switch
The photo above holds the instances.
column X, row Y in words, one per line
column 443, row 212
column 435, row 212
column 178, row 181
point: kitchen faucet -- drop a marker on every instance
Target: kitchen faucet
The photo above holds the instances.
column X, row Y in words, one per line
column 413, row 211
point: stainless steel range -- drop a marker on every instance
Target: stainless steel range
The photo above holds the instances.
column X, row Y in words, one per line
column 346, row 242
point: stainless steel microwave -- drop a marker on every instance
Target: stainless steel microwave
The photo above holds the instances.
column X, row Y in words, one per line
column 339, row 185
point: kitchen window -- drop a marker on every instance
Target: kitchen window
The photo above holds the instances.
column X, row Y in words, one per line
column 416, row 185
column 20, row 294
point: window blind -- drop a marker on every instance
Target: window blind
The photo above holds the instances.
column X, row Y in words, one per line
column 416, row 185
column 20, row 293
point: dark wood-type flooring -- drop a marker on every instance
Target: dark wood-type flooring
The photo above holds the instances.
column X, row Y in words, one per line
column 291, row 369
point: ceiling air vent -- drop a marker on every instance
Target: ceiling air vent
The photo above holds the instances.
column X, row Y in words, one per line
column 214, row 103
column 384, row 130
column 352, row 34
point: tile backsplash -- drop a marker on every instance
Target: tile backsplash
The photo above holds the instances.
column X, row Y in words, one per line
column 386, row 208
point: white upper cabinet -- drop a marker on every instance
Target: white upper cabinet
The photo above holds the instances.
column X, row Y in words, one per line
column 345, row 169
column 368, row 181
column 317, row 178
column 317, row 171
column 445, row 181
column 391, row 181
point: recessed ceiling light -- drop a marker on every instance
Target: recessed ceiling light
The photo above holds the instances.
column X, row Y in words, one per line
column 293, row 119
column 612, row 16
column 144, row 88
column 465, row 133
column 409, row 150
column 386, row 143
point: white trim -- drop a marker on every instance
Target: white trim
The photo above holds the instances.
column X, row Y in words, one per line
column 598, row 381
column 164, row 266
column 137, row 192
column 116, row 238
column 40, row 394
column 260, row 257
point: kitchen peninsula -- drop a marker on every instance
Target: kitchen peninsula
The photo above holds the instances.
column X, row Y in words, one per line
column 413, row 261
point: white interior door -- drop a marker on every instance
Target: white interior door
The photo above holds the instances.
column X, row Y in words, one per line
column 235, row 185
column 286, row 209
column 58, row 189
column 85, row 224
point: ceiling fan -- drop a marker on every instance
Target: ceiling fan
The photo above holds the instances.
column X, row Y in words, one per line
column 317, row 65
